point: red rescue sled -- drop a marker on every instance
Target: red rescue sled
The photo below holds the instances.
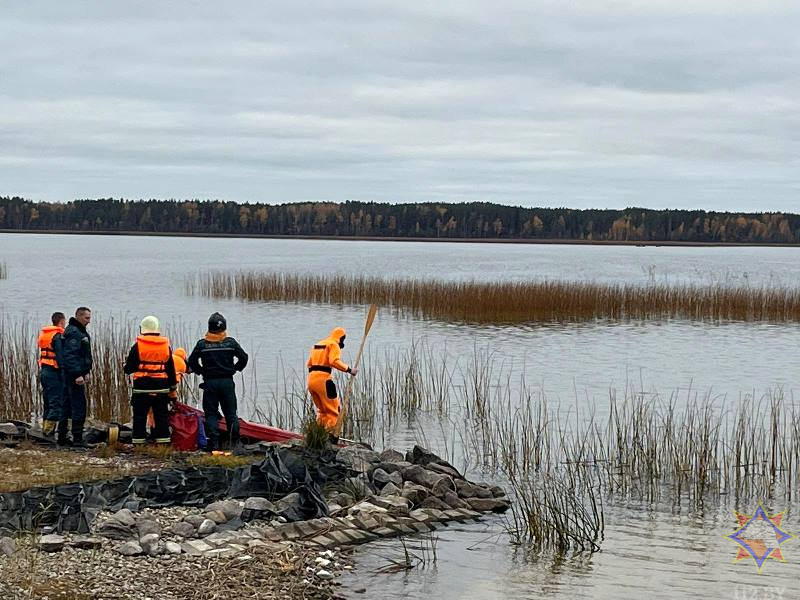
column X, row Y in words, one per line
column 252, row 431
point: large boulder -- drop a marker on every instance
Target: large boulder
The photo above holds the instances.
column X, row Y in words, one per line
column 381, row 478
column 119, row 526
column 390, row 489
column 51, row 543
column 183, row 529
column 358, row 459
column 258, row 508
column 434, row 502
column 421, row 476
column 414, row 493
column 390, row 455
column 396, row 505
column 488, row 504
column 393, row 467
column 442, row 486
column 466, row 489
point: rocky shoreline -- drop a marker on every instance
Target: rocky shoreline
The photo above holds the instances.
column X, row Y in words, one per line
column 199, row 552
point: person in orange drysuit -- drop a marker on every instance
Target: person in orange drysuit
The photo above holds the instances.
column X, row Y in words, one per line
column 325, row 356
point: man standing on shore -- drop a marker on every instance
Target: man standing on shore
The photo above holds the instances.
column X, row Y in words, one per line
column 76, row 357
column 217, row 358
column 49, row 344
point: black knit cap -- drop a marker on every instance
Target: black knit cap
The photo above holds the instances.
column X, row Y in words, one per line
column 217, row 323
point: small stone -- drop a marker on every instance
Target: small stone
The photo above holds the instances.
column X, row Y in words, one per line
column 7, row 546
column 124, row 517
column 172, row 548
column 86, row 542
column 130, row 549
column 365, row 508
column 147, row 527
column 217, row 516
column 206, row 527
column 322, row 562
column 232, row 509
column 195, row 520
column 52, row 542
column 149, row 544
column 323, row 574
column 260, row 505
column 183, row 529
column 196, row 547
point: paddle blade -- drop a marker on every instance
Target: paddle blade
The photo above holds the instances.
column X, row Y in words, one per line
column 373, row 310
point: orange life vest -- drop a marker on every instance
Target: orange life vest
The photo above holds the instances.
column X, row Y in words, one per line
column 154, row 353
column 47, row 355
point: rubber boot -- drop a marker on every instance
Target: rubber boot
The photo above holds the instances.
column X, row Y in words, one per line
column 49, row 427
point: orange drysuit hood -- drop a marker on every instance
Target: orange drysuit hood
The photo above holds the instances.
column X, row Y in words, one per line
column 338, row 335
column 180, row 352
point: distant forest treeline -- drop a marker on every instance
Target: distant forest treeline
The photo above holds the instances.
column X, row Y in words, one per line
column 424, row 220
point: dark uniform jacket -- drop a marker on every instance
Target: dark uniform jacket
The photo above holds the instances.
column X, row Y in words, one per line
column 217, row 359
column 76, row 350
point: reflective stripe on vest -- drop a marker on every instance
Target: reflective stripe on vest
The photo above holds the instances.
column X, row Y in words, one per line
column 47, row 355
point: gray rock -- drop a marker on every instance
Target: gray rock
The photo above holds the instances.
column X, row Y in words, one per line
column 7, row 546
column 232, row 509
column 343, row 499
column 396, row 505
column 452, row 499
column 195, row 520
column 381, row 478
column 390, row 455
column 196, row 547
column 421, row 476
column 130, row 549
column 434, row 502
column 497, row 491
column 233, row 525
column 86, row 542
column 488, row 504
column 443, row 486
column 172, row 548
column 390, row 489
column 206, row 527
column 358, row 459
column 414, row 493
column 147, row 526
column 260, row 505
column 445, row 469
column 149, row 544
column 466, row 489
column 183, row 529
column 394, row 467
column 288, row 502
column 366, row 508
column 124, row 517
column 217, row 516
column 51, row 542
column 323, row 574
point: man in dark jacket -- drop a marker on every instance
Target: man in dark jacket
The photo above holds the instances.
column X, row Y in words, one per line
column 76, row 363
column 217, row 358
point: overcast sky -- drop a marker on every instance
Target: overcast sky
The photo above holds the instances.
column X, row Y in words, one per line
column 581, row 104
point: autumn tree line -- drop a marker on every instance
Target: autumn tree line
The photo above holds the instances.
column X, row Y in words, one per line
column 420, row 220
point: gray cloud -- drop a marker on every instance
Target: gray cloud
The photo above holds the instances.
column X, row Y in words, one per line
column 531, row 102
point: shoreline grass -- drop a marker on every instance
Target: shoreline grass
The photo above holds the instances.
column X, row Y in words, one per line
column 509, row 302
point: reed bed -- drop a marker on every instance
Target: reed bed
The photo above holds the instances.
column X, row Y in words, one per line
column 510, row 302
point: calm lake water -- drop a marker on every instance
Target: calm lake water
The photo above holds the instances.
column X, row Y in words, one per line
column 649, row 550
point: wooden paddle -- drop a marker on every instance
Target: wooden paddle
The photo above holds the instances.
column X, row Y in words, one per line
column 373, row 310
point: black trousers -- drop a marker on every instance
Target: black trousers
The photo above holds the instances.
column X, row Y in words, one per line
column 53, row 392
column 220, row 393
column 142, row 402
column 74, row 408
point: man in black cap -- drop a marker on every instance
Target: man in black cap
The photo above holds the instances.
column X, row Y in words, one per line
column 217, row 358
